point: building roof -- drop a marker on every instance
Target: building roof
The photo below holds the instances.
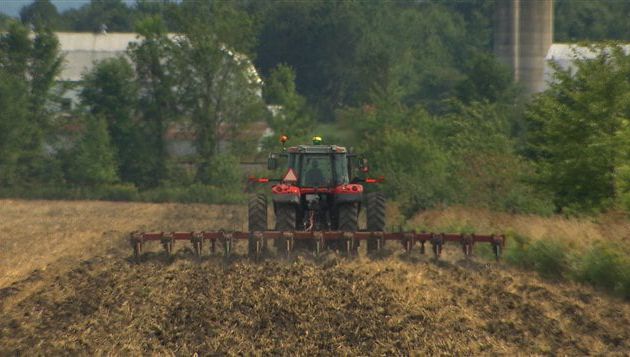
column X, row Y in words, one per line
column 565, row 53
column 82, row 49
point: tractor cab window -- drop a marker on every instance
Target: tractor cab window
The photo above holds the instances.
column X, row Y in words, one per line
column 323, row 170
column 341, row 169
column 316, row 171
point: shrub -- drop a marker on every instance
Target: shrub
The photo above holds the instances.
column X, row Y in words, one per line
column 547, row 257
column 196, row 193
column 119, row 192
column 92, row 160
column 224, row 171
column 623, row 178
column 604, row 266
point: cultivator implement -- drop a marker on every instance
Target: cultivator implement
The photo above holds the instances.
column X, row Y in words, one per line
column 317, row 204
column 347, row 242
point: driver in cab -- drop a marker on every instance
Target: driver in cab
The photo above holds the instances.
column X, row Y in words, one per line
column 314, row 176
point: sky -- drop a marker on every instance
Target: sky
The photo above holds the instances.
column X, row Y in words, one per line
column 12, row 7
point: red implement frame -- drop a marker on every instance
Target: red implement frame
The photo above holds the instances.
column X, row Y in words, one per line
column 350, row 240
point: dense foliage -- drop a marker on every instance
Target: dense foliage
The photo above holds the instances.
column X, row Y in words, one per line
column 413, row 85
column 580, row 131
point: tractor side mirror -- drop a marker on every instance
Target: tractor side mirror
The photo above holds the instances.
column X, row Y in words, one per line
column 272, row 162
column 363, row 166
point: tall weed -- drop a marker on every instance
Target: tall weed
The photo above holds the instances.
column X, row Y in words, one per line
column 606, row 267
column 548, row 257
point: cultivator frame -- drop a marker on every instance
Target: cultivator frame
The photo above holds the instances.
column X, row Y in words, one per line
column 349, row 240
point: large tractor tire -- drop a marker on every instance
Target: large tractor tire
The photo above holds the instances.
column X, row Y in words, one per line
column 286, row 220
column 348, row 221
column 257, row 220
column 375, row 214
column 286, row 217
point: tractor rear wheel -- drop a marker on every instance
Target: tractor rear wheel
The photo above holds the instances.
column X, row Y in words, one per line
column 348, row 221
column 257, row 220
column 286, row 221
column 286, row 217
column 375, row 213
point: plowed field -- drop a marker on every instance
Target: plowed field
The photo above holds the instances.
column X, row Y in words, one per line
column 68, row 286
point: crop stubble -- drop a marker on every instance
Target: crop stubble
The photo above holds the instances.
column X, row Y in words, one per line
column 106, row 303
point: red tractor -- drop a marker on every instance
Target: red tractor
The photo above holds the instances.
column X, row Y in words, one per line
column 316, row 203
column 318, row 192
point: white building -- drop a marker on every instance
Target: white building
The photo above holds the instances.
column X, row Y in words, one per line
column 82, row 50
column 564, row 55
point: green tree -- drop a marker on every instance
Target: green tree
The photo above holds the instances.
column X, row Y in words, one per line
column 110, row 91
column 225, row 173
column 344, row 52
column 292, row 116
column 168, row 10
column 229, row 24
column 45, row 65
column 218, row 87
column 591, row 20
column 34, row 63
column 579, row 130
column 115, row 15
column 92, row 159
column 40, row 13
column 486, row 80
column 466, row 156
column 13, row 118
column 487, row 170
column 403, row 145
column 5, row 20
column 157, row 103
column 15, row 50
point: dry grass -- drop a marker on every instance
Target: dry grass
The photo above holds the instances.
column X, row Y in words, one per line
column 573, row 231
column 86, row 297
column 35, row 234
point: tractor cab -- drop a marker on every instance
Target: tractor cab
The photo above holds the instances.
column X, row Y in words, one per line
column 315, row 191
column 321, row 166
column 316, row 204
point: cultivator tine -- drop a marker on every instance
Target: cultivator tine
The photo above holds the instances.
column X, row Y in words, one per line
column 197, row 242
column 136, row 240
column 227, row 237
column 422, row 250
column 380, row 241
column 213, row 246
column 498, row 242
column 319, row 242
column 348, row 238
column 437, row 241
column 167, row 242
column 409, row 241
column 289, row 242
column 259, row 238
column 467, row 240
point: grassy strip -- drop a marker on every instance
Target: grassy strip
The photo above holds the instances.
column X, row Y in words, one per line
column 603, row 265
column 195, row 193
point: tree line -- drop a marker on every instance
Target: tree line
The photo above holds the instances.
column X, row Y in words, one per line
column 412, row 85
column 115, row 141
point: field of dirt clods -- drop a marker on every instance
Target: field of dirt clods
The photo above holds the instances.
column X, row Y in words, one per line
column 104, row 302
